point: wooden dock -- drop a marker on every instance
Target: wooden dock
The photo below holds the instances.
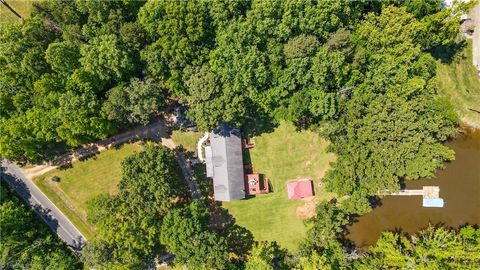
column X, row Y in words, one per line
column 430, row 194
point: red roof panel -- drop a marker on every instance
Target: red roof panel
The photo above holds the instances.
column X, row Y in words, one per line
column 300, row 189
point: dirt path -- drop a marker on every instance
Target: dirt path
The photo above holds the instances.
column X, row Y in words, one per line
column 157, row 131
column 475, row 15
column 38, row 170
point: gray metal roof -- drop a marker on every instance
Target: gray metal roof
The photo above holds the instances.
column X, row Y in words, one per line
column 226, row 158
column 208, row 161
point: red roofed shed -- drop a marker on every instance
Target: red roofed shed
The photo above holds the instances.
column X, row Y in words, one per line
column 300, row 189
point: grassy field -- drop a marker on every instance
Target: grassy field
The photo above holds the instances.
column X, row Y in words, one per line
column 186, row 139
column 22, row 7
column 83, row 181
column 459, row 82
column 283, row 155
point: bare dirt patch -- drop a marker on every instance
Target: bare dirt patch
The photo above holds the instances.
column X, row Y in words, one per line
column 307, row 210
column 168, row 142
column 322, row 173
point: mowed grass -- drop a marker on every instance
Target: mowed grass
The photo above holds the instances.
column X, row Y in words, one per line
column 283, row 155
column 22, row 7
column 459, row 82
column 85, row 180
column 187, row 139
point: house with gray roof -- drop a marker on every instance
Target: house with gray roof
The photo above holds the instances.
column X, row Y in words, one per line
column 223, row 158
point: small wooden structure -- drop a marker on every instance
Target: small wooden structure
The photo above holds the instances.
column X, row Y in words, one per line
column 255, row 183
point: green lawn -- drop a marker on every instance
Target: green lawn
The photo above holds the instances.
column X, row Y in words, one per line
column 83, row 181
column 459, row 82
column 187, row 139
column 22, row 7
column 282, row 155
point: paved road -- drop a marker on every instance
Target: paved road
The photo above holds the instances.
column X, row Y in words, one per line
column 54, row 218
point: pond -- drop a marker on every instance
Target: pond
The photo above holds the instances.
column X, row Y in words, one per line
column 459, row 184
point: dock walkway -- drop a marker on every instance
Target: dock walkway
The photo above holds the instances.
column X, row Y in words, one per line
column 430, row 194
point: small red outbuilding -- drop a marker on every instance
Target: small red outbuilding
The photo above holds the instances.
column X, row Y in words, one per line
column 300, row 189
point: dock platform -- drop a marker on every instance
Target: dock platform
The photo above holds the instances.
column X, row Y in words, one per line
column 430, row 194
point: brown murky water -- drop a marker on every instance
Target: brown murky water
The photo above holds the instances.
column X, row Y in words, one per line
column 459, row 185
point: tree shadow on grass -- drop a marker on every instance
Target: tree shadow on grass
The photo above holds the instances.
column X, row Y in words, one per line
column 65, row 166
column 258, row 122
column 183, row 160
column 240, row 240
column 446, row 54
column 205, row 184
column 247, row 159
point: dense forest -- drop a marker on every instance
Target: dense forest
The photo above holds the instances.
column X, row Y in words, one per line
column 358, row 72
column 26, row 243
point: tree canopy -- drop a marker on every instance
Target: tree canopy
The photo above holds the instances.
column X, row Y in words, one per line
column 266, row 255
column 56, row 68
column 133, row 103
column 151, row 179
column 433, row 248
column 104, row 58
column 26, row 242
column 128, row 224
column 151, row 216
column 393, row 124
column 184, row 233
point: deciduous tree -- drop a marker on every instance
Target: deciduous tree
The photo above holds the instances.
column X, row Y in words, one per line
column 433, row 248
column 393, row 124
column 209, row 104
column 129, row 224
column 184, row 233
column 151, row 179
column 80, row 120
column 133, row 103
column 105, row 57
column 62, row 57
column 266, row 255
column 178, row 41
column 26, row 242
